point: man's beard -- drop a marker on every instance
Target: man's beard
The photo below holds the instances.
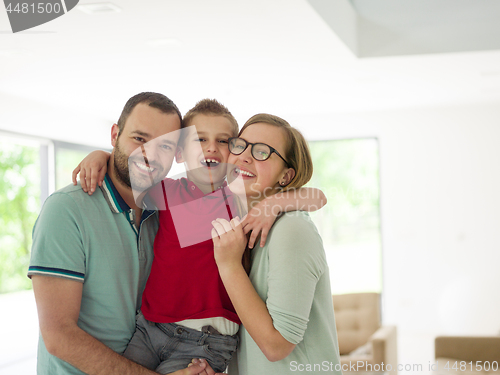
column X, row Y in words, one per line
column 121, row 165
column 138, row 183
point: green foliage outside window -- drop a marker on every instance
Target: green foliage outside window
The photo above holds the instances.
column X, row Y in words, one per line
column 19, row 206
column 66, row 161
column 347, row 171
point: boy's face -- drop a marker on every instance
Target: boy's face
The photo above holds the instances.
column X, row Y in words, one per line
column 205, row 150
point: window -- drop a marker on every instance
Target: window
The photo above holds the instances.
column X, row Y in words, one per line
column 348, row 173
column 30, row 170
column 68, row 156
column 20, row 195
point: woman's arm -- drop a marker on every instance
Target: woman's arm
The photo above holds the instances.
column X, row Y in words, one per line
column 262, row 216
column 92, row 170
column 254, row 315
column 229, row 245
column 296, row 262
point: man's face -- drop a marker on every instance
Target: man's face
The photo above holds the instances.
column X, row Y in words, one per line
column 145, row 149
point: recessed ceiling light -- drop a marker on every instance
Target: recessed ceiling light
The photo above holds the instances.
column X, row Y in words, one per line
column 164, row 42
column 99, row 8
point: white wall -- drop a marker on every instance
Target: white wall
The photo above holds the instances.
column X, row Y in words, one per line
column 32, row 117
column 440, row 207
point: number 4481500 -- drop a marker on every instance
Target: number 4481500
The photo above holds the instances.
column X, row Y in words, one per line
column 30, row 8
column 479, row 366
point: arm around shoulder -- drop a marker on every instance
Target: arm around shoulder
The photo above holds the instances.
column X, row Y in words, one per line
column 92, row 170
column 304, row 199
column 261, row 217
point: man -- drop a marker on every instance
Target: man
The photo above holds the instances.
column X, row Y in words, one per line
column 91, row 255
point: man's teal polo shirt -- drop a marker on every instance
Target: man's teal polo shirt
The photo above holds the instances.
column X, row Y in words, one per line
column 94, row 240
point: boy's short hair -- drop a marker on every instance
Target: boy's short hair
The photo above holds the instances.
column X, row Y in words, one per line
column 210, row 107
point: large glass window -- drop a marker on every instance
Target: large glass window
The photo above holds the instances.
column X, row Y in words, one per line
column 27, row 177
column 68, row 155
column 20, row 190
column 348, row 173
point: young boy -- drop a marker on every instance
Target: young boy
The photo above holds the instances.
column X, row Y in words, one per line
column 186, row 312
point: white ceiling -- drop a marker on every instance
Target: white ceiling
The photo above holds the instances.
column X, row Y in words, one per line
column 374, row 28
column 69, row 79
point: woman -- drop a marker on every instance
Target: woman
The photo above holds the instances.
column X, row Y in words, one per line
column 285, row 302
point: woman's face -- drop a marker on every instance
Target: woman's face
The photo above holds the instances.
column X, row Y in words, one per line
column 259, row 178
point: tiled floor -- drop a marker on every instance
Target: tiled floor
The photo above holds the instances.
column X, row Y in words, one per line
column 18, row 333
column 19, row 337
column 415, row 351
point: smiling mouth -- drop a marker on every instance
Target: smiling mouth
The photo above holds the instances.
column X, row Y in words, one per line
column 144, row 167
column 238, row 171
column 210, row 163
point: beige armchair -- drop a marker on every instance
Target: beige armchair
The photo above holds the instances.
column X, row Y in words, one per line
column 362, row 339
column 467, row 355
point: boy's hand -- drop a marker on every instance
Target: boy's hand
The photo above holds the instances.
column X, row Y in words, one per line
column 92, row 170
column 259, row 220
column 229, row 242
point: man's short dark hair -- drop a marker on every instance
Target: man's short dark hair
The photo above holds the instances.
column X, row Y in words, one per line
column 152, row 99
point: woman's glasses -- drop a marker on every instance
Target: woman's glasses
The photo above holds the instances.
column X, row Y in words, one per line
column 260, row 151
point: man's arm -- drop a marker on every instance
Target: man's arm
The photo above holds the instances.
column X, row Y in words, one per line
column 58, row 303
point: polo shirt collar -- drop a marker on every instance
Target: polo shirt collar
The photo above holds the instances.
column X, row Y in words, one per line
column 114, row 199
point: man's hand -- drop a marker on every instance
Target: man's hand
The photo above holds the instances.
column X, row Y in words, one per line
column 198, row 367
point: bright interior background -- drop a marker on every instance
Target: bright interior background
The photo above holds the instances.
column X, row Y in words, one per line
column 435, row 113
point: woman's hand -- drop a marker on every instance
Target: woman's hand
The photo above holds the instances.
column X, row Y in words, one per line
column 259, row 220
column 229, row 242
column 92, row 170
